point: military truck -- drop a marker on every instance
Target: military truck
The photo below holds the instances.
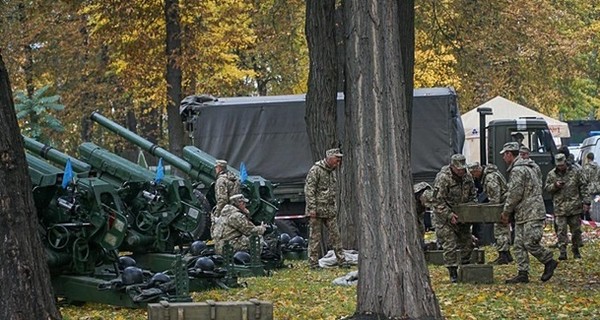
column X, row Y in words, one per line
column 269, row 135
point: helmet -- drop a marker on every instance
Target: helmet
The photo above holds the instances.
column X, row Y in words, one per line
column 205, row 264
column 159, row 278
column 241, row 257
column 420, row 187
column 125, row 262
column 197, row 248
column 132, row 275
column 284, row 238
column 297, row 241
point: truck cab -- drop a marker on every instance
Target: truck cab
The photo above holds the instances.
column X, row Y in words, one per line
column 530, row 132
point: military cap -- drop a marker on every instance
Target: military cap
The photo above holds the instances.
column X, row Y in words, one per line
column 473, row 165
column 420, row 187
column 221, row 163
column 560, row 159
column 238, row 198
column 334, row 152
column 524, row 149
column 510, row 146
column 458, row 161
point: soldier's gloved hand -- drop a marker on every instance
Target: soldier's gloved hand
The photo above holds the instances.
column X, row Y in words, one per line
column 453, row 218
column 312, row 214
column 504, row 219
column 559, row 184
column 262, row 228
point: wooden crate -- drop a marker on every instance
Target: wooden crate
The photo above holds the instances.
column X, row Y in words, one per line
column 211, row 310
column 478, row 212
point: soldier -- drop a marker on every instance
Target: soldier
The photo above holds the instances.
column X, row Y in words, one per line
column 525, row 203
column 423, row 196
column 565, row 185
column 453, row 185
column 494, row 187
column 320, row 192
column 235, row 226
column 590, row 174
column 227, row 185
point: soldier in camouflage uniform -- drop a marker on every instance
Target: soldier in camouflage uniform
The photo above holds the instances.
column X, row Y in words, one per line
column 453, row 185
column 525, row 203
column 494, row 187
column 235, row 226
column 423, row 196
column 566, row 186
column 320, row 192
column 590, row 174
column 227, row 185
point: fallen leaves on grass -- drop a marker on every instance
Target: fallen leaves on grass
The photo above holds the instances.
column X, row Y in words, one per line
column 301, row 293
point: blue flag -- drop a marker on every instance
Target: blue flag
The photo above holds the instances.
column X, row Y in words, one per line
column 243, row 173
column 68, row 174
column 160, row 172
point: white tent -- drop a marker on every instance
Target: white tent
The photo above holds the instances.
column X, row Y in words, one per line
column 504, row 109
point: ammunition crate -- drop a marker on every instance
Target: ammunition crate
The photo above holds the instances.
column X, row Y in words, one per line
column 211, row 310
column 476, row 273
column 478, row 212
column 436, row 257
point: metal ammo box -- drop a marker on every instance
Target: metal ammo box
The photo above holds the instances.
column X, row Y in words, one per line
column 211, row 310
column 478, row 212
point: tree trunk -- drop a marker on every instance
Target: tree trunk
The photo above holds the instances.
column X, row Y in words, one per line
column 377, row 95
column 26, row 290
column 322, row 77
column 175, row 125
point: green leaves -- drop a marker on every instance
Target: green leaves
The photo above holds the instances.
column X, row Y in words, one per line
column 35, row 113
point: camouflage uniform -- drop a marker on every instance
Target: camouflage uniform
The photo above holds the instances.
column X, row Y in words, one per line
column 590, row 176
column 567, row 204
column 494, row 186
column 227, row 185
column 320, row 192
column 524, row 200
column 451, row 190
column 424, row 194
column 236, row 228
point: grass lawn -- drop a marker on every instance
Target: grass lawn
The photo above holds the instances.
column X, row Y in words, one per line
column 300, row 293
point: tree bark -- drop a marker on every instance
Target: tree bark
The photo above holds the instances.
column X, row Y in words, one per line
column 173, row 76
column 26, row 290
column 377, row 95
column 322, row 77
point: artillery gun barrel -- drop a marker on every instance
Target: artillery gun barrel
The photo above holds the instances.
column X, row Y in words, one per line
column 146, row 145
column 49, row 153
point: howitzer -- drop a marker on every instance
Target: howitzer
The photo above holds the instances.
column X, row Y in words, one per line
column 199, row 166
column 157, row 212
column 82, row 225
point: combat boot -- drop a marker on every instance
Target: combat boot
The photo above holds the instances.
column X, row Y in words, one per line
column 549, row 268
column 502, row 258
column 522, row 277
column 563, row 254
column 576, row 253
column 453, row 272
column 510, row 257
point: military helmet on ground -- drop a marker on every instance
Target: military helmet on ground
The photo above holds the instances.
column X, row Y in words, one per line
column 205, row 264
column 132, row 275
column 284, row 238
column 126, row 261
column 197, row 247
column 241, row 257
column 159, row 278
column 297, row 241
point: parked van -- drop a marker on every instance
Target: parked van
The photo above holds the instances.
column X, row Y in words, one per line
column 590, row 144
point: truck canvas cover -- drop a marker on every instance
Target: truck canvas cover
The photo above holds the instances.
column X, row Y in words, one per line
column 268, row 133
